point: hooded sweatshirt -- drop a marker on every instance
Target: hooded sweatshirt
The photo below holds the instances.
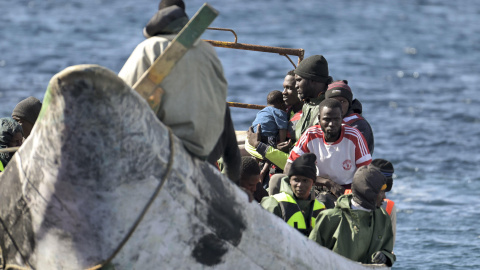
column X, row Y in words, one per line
column 193, row 104
column 355, row 234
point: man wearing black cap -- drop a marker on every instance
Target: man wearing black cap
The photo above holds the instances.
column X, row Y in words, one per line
column 296, row 203
column 340, row 90
column 26, row 113
column 357, row 227
column 312, row 78
column 194, row 103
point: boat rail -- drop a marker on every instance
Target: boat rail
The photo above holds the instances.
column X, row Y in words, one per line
column 258, row 48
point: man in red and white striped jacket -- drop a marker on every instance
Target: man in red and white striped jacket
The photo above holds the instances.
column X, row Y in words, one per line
column 340, row 149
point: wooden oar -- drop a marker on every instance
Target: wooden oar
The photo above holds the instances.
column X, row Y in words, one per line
column 9, row 149
column 245, row 105
column 148, row 85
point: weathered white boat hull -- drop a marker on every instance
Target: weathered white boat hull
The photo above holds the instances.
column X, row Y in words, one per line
column 94, row 158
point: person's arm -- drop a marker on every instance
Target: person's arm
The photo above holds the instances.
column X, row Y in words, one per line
column 231, row 155
column 276, row 156
column 281, row 120
column 333, row 187
column 383, row 226
column 367, row 133
column 362, row 154
column 227, row 148
column 325, row 228
column 287, row 168
column 265, row 170
column 282, row 135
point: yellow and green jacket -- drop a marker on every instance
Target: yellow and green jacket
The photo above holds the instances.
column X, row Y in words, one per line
column 300, row 214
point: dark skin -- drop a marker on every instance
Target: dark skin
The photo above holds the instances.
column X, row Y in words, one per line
column 301, row 186
column 331, row 123
column 290, row 97
column 290, row 94
column 345, row 105
column 250, row 182
column 380, row 198
column 308, row 88
column 17, row 140
column 26, row 126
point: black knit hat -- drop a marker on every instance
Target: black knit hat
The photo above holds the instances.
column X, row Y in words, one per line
column 314, row 68
column 28, row 109
column 167, row 3
column 304, row 166
column 367, row 183
column 385, row 167
column 340, row 89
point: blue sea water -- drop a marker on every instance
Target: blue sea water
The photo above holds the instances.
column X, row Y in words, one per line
column 415, row 66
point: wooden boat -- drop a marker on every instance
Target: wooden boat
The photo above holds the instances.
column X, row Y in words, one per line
column 100, row 177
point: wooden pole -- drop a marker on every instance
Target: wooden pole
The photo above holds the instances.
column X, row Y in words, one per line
column 9, row 149
column 245, row 105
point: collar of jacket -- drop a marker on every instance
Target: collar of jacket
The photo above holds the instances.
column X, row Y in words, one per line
column 344, row 201
column 169, row 20
column 314, row 101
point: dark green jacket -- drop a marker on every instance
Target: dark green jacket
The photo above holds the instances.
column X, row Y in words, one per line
column 310, row 111
column 354, row 234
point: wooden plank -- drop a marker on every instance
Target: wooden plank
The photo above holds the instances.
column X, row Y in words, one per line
column 9, row 149
column 148, row 85
column 246, row 105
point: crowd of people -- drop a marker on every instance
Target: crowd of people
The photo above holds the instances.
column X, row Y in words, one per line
column 308, row 153
column 322, row 180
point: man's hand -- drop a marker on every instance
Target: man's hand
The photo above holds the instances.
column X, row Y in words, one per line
column 284, row 146
column 254, row 138
column 379, row 258
column 333, row 187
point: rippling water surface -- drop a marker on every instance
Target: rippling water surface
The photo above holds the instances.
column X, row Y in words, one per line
column 415, row 66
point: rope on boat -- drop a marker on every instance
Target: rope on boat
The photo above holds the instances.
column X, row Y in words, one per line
column 145, row 209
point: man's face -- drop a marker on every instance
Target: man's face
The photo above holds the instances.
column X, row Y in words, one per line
column 304, row 88
column 290, row 94
column 250, row 182
column 308, row 88
column 16, row 140
column 380, row 198
column 331, row 123
column 301, row 186
column 344, row 103
column 26, row 126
